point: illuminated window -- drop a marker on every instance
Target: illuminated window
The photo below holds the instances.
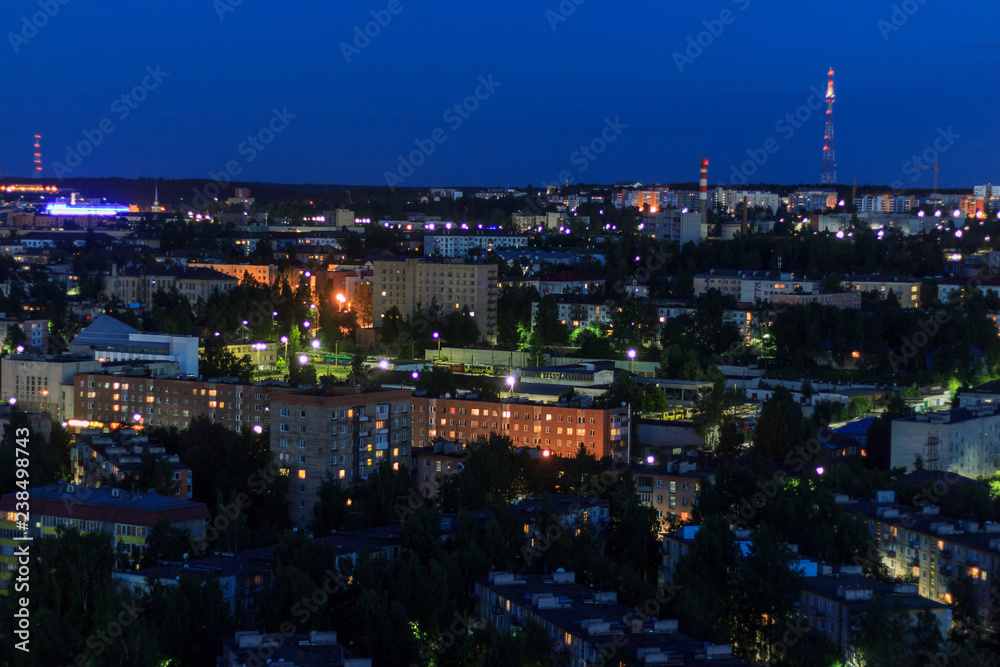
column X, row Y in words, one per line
column 302, row 474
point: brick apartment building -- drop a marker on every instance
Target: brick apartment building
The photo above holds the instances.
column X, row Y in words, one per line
column 343, row 433
column 561, row 429
column 117, row 399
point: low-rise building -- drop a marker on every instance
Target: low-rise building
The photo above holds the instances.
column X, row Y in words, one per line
column 907, row 291
column 121, row 455
column 249, row 649
column 925, row 548
column 138, row 284
column 589, row 627
column 36, row 332
column 835, row 605
column 435, row 462
column 265, row 274
column 108, row 339
column 126, row 518
column 459, row 243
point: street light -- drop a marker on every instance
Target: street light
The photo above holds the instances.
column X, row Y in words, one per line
column 303, row 359
column 284, row 340
column 384, row 364
column 258, row 429
column 631, row 359
column 315, row 343
column 436, row 336
column 510, row 381
column 306, row 324
column 415, row 375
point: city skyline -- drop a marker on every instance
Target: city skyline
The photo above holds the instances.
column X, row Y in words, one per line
column 535, row 85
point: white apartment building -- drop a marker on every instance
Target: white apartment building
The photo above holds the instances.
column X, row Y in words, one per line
column 965, row 441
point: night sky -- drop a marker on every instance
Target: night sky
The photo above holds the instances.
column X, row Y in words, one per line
column 226, row 66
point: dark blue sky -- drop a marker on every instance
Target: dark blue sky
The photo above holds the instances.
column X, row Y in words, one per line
column 225, row 77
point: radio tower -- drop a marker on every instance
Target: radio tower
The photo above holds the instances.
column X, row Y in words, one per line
column 38, row 153
column 829, row 176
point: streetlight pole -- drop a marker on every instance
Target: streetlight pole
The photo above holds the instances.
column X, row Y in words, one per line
column 631, row 359
column 437, row 336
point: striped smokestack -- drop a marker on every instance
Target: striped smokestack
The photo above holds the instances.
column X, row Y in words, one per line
column 703, row 196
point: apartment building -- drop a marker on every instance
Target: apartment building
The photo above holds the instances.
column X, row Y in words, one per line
column 559, row 429
column 930, row 550
column 589, row 627
column 812, row 200
column 36, row 332
column 670, row 493
column 126, row 518
column 120, row 456
column 434, row 463
column 571, row 513
column 342, row 433
column 44, row 384
column 266, row 274
column 838, row 300
column 412, row 283
column 578, row 313
column 115, row 399
column 729, row 199
column 907, row 291
column 752, row 286
column 675, row 226
column 834, row 604
column 963, row 440
column 458, row 244
column 139, row 283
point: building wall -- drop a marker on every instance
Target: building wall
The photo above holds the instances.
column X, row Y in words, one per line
column 341, row 436
column 38, row 384
column 454, row 286
column 558, row 429
column 262, row 273
column 114, row 399
column 970, row 447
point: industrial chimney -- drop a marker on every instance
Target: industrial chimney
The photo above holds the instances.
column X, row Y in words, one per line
column 703, row 196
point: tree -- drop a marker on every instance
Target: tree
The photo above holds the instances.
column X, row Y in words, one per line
column 302, row 374
column 218, row 360
column 547, row 325
column 780, row 427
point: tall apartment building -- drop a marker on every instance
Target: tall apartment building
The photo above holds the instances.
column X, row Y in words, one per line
column 932, row 550
column 412, row 282
column 675, row 226
column 265, row 274
column 730, row 199
column 343, row 434
column 138, row 284
column 884, row 204
column 964, row 440
column 560, row 429
column 529, row 222
column 104, row 399
column 812, row 200
column 126, row 518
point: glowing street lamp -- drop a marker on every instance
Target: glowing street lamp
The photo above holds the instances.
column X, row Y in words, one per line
column 510, row 381
column 306, row 324
column 258, row 429
column 315, row 343
column 303, row 359
column 437, row 336
column 20, row 349
column 650, row 459
column 384, row 364
column 415, row 375
column 341, row 299
column 631, row 358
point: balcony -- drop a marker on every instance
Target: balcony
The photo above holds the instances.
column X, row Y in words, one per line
column 362, row 418
column 363, row 434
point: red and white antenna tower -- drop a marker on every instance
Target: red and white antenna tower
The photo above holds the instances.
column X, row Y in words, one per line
column 38, row 154
column 829, row 176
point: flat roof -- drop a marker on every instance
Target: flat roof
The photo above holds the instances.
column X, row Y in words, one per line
column 89, row 504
